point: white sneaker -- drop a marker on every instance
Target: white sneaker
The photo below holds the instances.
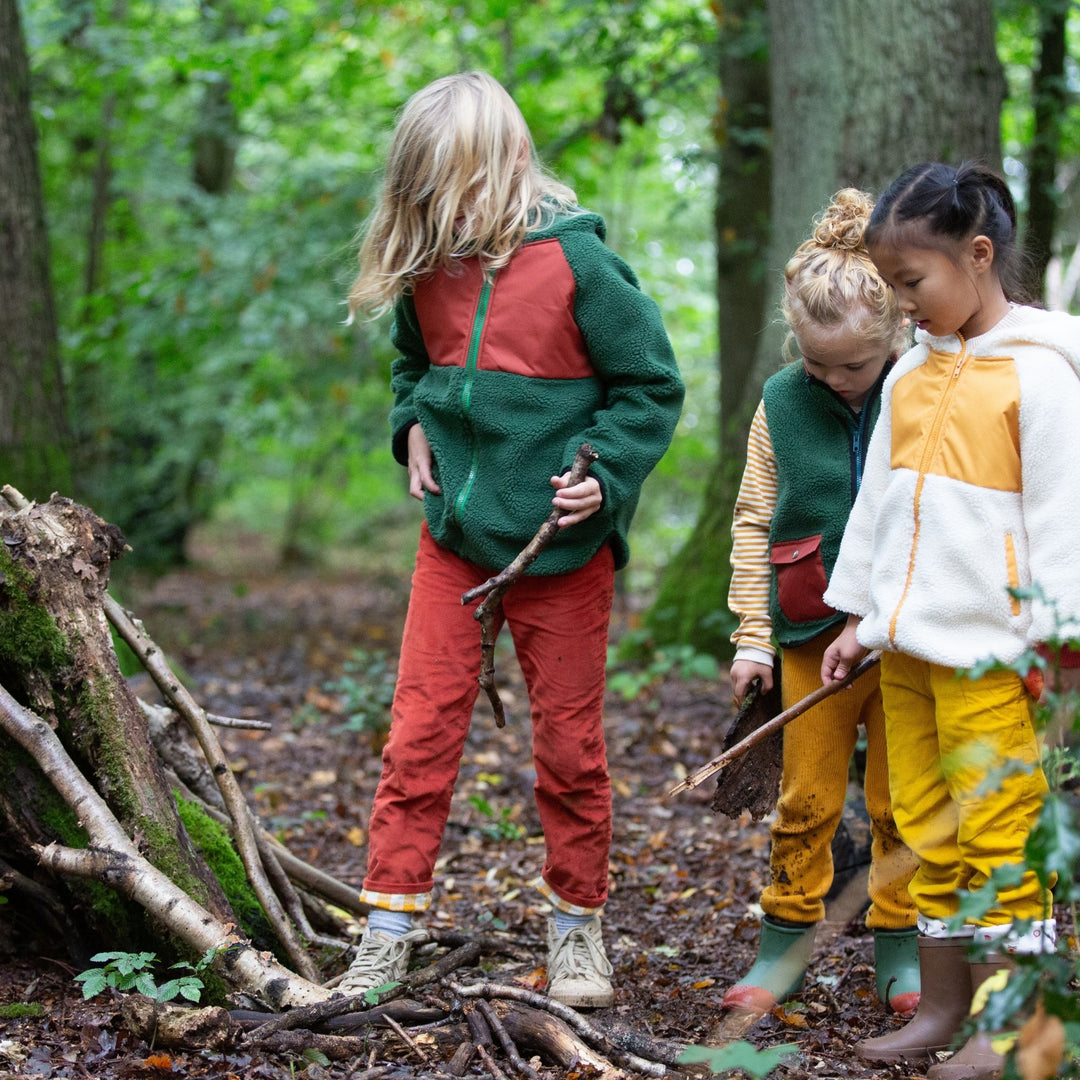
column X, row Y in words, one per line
column 579, row 974
column 380, row 959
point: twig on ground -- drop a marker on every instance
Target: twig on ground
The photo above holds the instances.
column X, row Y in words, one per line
column 590, row 1034
column 495, row 587
column 521, row 1066
column 309, row 1016
column 404, row 1036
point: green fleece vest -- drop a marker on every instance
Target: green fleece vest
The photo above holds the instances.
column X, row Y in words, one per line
column 819, row 443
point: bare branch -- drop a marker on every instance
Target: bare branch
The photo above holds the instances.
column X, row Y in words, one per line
column 495, row 587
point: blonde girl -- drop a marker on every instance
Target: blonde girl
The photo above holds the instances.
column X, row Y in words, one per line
column 805, row 457
column 520, row 336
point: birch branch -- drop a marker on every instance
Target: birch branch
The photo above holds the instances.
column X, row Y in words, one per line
column 131, row 630
column 114, row 857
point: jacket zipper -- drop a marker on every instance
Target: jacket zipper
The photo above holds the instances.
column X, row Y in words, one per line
column 471, row 359
column 929, row 450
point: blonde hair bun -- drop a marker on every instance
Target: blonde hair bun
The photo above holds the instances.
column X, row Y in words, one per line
column 832, row 281
column 843, row 223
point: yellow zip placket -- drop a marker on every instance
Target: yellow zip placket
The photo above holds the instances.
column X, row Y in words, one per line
column 927, row 456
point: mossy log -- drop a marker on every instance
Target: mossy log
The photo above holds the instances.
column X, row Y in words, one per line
column 57, row 660
column 96, row 856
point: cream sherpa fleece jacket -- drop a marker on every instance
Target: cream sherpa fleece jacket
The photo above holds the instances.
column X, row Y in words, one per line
column 972, row 486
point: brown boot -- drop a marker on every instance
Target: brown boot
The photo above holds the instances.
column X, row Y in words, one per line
column 976, row 1059
column 943, row 1006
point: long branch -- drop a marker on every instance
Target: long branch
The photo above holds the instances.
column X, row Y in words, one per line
column 775, row 724
column 495, row 587
column 243, row 832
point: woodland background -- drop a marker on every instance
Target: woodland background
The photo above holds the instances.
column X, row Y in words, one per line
column 181, row 185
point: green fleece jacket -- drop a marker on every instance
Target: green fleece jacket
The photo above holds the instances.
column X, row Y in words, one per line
column 509, row 374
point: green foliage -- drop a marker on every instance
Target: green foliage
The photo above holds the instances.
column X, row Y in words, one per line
column 636, row 664
column 500, row 825
column 210, row 376
column 367, row 691
column 1042, row 980
column 738, row 1055
column 134, row 971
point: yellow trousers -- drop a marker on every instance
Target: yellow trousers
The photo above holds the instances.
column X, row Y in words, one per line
column 817, row 755
column 947, row 734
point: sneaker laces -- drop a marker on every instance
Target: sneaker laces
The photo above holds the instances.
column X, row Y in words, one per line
column 379, row 959
column 578, row 953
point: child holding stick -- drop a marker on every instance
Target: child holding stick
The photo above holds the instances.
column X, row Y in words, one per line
column 521, row 337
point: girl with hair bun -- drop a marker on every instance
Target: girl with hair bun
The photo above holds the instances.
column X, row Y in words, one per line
column 804, row 463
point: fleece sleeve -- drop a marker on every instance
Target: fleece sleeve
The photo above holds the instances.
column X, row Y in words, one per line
column 632, row 356
column 405, row 372
column 1050, row 471
column 751, row 572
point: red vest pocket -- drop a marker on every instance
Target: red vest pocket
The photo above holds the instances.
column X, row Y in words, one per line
column 800, row 579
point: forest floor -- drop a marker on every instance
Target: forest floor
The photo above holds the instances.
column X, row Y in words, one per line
column 681, row 924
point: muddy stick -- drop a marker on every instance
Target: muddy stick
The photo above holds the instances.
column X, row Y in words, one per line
column 777, row 722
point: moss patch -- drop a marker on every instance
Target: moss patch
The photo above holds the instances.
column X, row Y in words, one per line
column 29, row 636
column 216, row 847
column 19, row 1009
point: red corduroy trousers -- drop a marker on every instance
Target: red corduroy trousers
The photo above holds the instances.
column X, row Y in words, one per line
column 559, row 626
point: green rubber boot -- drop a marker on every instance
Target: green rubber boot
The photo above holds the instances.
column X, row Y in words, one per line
column 896, row 969
column 783, row 955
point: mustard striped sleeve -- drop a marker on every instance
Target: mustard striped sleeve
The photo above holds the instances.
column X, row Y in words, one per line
column 751, row 575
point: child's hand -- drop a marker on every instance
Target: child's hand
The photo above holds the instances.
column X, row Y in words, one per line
column 843, row 654
column 743, row 673
column 421, row 478
column 580, row 501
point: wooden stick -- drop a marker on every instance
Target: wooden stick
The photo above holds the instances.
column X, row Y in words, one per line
column 493, row 589
column 777, row 722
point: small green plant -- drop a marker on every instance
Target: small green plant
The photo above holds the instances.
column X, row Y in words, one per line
column 635, row 664
column 738, row 1055
column 134, row 971
column 366, row 687
column 499, row 825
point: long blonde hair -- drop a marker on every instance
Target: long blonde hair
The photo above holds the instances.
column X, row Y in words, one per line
column 462, row 179
column 831, row 279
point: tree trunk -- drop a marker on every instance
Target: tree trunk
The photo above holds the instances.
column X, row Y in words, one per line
column 57, row 660
column 742, row 235
column 858, row 92
column 1049, row 95
column 95, row 853
column 33, row 428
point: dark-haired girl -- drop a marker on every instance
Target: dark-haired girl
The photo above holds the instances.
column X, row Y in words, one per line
column 970, row 497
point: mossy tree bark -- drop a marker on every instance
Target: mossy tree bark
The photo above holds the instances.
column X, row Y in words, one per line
column 95, row 855
column 841, row 115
